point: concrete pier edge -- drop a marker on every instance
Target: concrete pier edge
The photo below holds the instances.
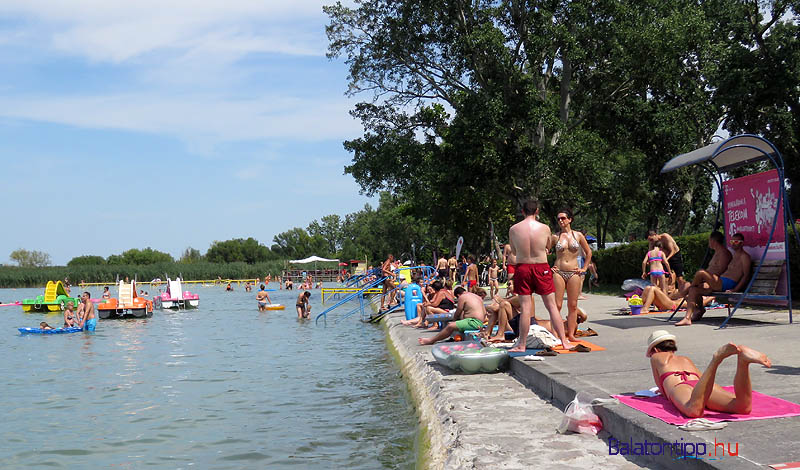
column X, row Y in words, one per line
column 549, row 382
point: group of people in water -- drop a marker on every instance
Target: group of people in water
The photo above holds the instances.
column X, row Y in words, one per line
column 84, row 317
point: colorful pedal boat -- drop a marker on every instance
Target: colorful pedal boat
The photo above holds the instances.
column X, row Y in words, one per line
column 55, row 299
column 175, row 298
column 128, row 304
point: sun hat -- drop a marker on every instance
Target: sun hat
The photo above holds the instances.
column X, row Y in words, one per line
column 657, row 337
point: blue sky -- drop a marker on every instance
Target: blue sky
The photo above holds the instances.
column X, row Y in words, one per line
column 168, row 124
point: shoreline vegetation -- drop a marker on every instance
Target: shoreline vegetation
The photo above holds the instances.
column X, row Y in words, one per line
column 13, row 276
column 614, row 265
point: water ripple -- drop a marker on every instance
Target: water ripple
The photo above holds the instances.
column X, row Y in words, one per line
column 215, row 388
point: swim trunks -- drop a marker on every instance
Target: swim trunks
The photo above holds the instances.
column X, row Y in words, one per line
column 530, row 278
column 469, row 324
column 728, row 283
column 676, row 263
column 471, row 284
column 511, row 268
column 91, row 324
column 444, row 273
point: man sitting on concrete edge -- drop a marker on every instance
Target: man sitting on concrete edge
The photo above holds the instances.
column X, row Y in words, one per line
column 470, row 314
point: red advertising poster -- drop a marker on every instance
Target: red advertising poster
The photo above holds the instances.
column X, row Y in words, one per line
column 750, row 203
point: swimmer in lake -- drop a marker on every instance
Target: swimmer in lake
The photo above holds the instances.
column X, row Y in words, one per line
column 303, row 309
column 263, row 298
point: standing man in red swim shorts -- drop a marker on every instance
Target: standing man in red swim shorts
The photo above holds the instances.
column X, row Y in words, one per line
column 528, row 240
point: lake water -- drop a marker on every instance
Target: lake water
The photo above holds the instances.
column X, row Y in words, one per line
column 221, row 387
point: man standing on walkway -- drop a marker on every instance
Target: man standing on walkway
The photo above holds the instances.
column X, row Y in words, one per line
column 471, row 274
column 529, row 244
column 671, row 250
column 441, row 268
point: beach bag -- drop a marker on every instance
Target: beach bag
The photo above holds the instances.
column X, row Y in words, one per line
column 580, row 417
column 540, row 338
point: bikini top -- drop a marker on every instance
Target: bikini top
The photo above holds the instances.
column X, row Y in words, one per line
column 573, row 244
column 653, row 258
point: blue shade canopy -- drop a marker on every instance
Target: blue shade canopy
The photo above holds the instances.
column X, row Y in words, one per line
column 731, row 153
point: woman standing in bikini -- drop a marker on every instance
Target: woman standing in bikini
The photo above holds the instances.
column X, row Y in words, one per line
column 567, row 275
column 659, row 266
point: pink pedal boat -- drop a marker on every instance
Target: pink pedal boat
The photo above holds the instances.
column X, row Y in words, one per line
column 175, row 298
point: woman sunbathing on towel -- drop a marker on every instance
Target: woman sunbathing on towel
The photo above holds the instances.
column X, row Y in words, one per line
column 691, row 392
column 652, row 295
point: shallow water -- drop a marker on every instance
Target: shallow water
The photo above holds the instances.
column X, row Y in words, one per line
column 221, row 387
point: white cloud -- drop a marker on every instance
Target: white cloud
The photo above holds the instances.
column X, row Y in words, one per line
column 103, row 30
column 210, row 119
column 176, row 66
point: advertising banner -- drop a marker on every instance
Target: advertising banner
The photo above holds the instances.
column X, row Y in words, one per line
column 750, row 203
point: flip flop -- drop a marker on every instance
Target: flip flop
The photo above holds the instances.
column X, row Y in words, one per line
column 580, row 348
column 702, row 424
column 546, row 352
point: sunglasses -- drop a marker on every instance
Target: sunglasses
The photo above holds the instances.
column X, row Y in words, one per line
column 563, row 218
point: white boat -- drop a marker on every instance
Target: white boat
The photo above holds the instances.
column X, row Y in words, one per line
column 175, row 298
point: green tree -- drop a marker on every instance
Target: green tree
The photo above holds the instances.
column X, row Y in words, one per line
column 87, row 260
column 477, row 105
column 191, row 255
column 296, row 243
column 30, row 259
column 239, row 249
column 757, row 78
column 139, row 257
column 330, row 229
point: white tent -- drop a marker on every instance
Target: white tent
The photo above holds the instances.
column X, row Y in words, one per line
column 311, row 259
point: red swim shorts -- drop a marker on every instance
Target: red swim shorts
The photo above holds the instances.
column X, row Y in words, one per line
column 532, row 278
column 511, row 268
column 471, row 284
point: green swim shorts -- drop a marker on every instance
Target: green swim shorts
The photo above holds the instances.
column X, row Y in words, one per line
column 469, row 324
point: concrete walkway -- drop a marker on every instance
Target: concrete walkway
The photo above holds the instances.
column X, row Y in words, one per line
column 493, row 421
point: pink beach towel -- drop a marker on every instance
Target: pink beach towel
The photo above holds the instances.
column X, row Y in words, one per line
column 764, row 406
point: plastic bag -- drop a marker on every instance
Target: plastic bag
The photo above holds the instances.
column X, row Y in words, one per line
column 579, row 416
column 540, row 338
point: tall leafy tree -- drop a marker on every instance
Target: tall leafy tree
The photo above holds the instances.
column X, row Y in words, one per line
column 479, row 104
column 30, row 258
column 238, row 249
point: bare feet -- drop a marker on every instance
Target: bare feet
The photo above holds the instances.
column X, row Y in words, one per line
column 424, row 341
column 497, row 339
column 726, row 350
column 518, row 348
column 567, row 345
column 684, row 322
column 750, row 355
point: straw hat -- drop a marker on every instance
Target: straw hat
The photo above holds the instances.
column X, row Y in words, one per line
column 657, row 337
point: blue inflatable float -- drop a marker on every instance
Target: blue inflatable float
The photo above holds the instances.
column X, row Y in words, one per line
column 54, row 331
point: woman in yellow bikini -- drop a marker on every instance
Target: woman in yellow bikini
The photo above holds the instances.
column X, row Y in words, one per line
column 567, row 275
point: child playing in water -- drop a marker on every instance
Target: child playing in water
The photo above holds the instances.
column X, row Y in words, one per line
column 43, row 325
column 70, row 319
column 658, row 267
